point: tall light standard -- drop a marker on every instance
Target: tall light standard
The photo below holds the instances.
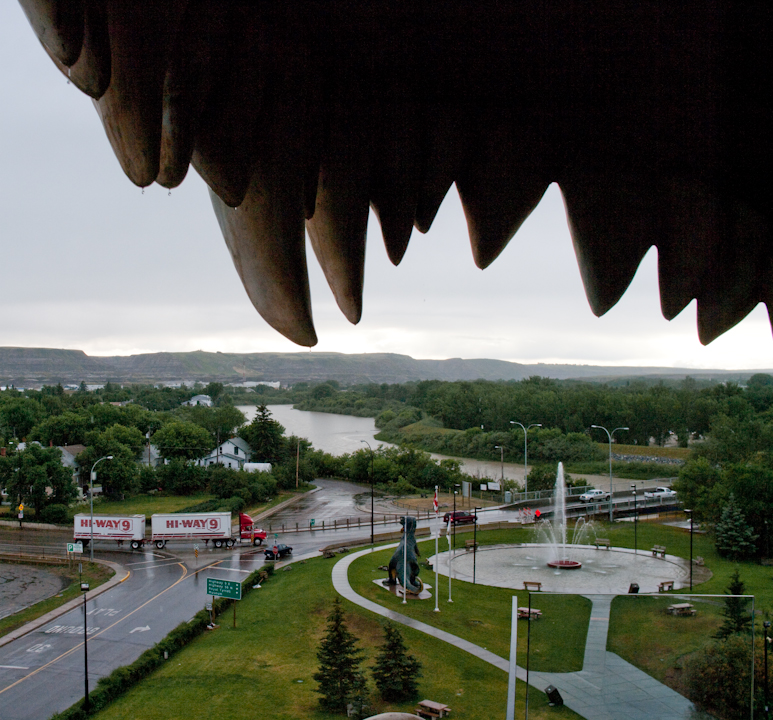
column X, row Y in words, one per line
column 84, row 590
column 689, row 512
column 92, row 478
column 371, row 489
column 475, row 545
column 456, row 485
column 501, row 460
column 766, row 625
column 525, row 452
column 635, row 522
column 609, row 435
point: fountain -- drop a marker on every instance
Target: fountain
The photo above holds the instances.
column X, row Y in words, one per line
column 553, row 532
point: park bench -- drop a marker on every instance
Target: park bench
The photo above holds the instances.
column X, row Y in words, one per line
column 470, row 545
column 532, row 584
column 432, row 709
column 698, row 560
column 524, row 613
column 681, row 609
column 659, row 550
column 602, row 541
column 666, row 585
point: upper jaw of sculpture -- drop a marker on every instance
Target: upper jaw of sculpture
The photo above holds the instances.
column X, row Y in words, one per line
column 652, row 117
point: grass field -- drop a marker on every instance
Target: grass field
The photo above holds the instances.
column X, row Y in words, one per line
column 479, row 614
column 264, row 667
column 145, row 504
column 93, row 573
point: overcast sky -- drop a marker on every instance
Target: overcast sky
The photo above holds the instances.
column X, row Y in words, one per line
column 89, row 262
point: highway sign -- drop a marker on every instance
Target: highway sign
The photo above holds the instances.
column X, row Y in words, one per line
column 75, row 547
column 313, row 522
column 224, row 588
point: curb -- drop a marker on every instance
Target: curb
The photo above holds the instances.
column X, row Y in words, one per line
column 75, row 602
column 285, row 503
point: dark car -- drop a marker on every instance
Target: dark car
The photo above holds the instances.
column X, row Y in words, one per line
column 460, row 517
column 277, row 551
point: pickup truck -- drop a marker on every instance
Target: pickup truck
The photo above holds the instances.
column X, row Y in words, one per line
column 664, row 493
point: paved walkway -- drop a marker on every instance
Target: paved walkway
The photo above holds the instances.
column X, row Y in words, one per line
column 607, row 687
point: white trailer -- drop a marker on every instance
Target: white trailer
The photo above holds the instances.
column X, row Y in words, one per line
column 121, row 528
column 214, row 526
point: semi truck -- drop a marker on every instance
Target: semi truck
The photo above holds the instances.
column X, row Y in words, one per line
column 121, row 528
column 214, row 526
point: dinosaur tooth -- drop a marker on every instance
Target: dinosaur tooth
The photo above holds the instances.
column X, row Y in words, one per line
column 689, row 244
column 613, row 221
column 187, row 83
column 339, row 226
column 131, row 108
column 266, row 238
column 227, row 134
column 58, row 25
column 91, row 72
column 738, row 282
column 395, row 174
column 498, row 190
column 447, row 138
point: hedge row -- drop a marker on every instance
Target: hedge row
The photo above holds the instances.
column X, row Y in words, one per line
column 124, row 678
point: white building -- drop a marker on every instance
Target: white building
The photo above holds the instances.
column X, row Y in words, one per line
column 232, row 453
column 204, row 400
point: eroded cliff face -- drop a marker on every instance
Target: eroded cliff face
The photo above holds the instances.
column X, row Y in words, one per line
column 652, row 117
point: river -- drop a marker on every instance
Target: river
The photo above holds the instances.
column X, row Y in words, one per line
column 339, row 434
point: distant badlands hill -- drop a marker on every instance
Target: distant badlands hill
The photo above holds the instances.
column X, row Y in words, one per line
column 25, row 367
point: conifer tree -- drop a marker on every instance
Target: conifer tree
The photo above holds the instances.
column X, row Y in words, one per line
column 396, row 673
column 735, row 538
column 737, row 619
column 339, row 676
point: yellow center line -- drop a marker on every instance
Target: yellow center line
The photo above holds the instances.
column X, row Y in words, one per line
column 79, row 645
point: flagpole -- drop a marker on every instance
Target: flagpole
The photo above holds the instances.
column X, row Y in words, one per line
column 437, row 535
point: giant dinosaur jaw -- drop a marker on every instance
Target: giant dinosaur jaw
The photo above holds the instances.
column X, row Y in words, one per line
column 653, row 117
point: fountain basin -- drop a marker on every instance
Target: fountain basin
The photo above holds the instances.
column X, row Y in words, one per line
column 565, row 564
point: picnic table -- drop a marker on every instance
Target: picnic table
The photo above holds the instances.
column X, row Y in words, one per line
column 470, row 545
column 432, row 709
column 602, row 541
column 681, row 609
column 524, row 613
column 659, row 550
column 666, row 585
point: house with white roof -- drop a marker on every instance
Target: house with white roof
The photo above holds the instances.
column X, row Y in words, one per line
column 232, row 453
column 204, row 400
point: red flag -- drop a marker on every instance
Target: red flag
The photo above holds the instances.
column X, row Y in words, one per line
column 434, row 502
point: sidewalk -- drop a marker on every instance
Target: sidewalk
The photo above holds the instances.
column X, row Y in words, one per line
column 607, row 687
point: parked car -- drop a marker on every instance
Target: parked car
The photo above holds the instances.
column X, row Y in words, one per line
column 594, row 496
column 661, row 492
column 460, row 517
column 277, row 552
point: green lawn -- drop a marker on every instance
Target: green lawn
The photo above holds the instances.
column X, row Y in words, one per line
column 145, row 504
column 93, row 573
column 264, row 667
column 482, row 614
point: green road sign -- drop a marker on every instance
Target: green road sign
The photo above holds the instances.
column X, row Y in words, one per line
column 75, row 547
column 224, row 588
column 312, row 522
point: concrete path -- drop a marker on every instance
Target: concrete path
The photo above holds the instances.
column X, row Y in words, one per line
column 607, row 687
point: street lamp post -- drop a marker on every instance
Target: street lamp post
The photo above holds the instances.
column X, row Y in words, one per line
column 689, row 512
column 475, row 544
column 609, row 435
column 84, row 590
column 371, row 489
column 635, row 522
column 766, row 625
column 525, row 452
column 456, row 485
column 92, row 478
column 501, row 460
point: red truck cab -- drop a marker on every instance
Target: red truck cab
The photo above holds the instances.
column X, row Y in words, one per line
column 249, row 531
